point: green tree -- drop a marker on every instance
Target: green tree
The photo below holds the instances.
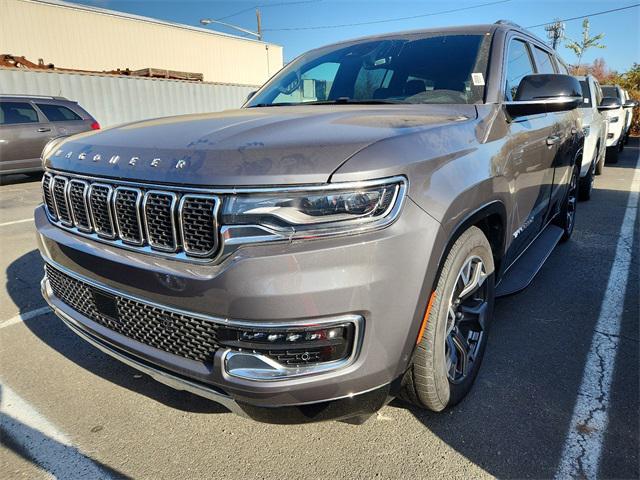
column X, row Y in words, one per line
column 586, row 43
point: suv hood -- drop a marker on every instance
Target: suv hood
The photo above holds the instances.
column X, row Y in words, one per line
column 252, row 146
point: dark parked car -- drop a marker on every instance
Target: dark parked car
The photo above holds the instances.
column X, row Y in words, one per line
column 336, row 242
column 28, row 123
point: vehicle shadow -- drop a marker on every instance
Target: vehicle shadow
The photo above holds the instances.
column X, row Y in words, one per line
column 514, row 422
column 23, row 283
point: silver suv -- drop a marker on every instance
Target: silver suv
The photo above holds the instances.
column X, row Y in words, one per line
column 27, row 123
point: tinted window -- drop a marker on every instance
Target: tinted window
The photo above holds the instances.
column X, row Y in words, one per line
column 17, row 112
column 610, row 92
column 519, row 65
column 432, row 68
column 586, row 94
column 58, row 113
column 543, row 61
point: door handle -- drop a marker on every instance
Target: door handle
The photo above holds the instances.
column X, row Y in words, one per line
column 44, row 129
column 553, row 139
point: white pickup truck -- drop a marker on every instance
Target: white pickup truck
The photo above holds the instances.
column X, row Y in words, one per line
column 595, row 128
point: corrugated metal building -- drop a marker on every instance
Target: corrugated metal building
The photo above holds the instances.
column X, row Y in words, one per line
column 89, row 38
column 113, row 100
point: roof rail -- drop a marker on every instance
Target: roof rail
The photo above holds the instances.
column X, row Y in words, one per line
column 508, row 22
column 31, row 96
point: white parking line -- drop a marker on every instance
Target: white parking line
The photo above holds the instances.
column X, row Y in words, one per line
column 50, row 448
column 14, row 222
column 583, row 445
column 23, row 317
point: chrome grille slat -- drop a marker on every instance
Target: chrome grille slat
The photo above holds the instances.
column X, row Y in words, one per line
column 47, row 195
column 60, row 185
column 78, row 191
column 181, row 224
column 159, row 213
column 126, row 206
column 100, row 208
column 198, row 224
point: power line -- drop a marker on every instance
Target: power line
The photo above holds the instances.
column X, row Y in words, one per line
column 267, row 5
column 585, row 16
column 319, row 27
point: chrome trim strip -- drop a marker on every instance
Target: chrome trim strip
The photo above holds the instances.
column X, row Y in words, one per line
column 109, row 212
column 85, row 199
column 65, row 195
column 238, row 190
column 138, row 217
column 216, row 208
column 48, row 177
column 172, row 211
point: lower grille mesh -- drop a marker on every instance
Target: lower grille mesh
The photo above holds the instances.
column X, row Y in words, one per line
column 181, row 335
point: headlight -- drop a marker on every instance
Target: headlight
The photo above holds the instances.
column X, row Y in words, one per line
column 318, row 211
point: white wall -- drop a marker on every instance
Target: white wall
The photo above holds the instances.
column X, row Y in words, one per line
column 88, row 38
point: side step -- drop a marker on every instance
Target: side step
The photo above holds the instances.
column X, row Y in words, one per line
column 522, row 273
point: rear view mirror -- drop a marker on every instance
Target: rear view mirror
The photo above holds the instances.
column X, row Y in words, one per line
column 609, row 103
column 544, row 93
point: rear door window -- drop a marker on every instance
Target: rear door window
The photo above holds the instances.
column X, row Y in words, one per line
column 519, row 65
column 543, row 61
column 12, row 113
column 58, row 113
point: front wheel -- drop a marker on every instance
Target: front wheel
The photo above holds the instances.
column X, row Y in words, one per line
column 449, row 354
column 612, row 154
column 566, row 219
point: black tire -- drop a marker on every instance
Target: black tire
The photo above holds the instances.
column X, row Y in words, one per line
column 433, row 381
column 566, row 219
column 612, row 154
column 586, row 183
column 621, row 144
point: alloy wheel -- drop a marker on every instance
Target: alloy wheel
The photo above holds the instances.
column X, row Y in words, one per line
column 572, row 200
column 466, row 319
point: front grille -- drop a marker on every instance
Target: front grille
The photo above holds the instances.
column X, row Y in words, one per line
column 172, row 223
column 159, row 212
column 100, row 205
column 78, row 201
column 60, row 199
column 198, row 221
column 127, row 211
column 48, row 195
column 181, row 335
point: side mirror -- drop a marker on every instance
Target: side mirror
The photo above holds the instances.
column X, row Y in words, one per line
column 630, row 104
column 250, row 96
column 609, row 103
column 544, row 93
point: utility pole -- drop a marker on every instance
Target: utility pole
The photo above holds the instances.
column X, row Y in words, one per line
column 259, row 19
column 555, row 32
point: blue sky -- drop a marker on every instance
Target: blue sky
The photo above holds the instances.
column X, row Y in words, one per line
column 621, row 29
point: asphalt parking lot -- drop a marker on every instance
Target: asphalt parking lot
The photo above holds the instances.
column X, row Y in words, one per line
column 71, row 411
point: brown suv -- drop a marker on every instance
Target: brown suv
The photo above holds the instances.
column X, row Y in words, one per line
column 28, row 123
column 337, row 241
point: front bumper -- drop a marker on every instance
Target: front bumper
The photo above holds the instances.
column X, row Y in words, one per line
column 382, row 276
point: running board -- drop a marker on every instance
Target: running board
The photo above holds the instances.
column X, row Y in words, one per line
column 524, row 270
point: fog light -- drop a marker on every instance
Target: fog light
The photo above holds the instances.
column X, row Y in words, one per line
column 292, row 347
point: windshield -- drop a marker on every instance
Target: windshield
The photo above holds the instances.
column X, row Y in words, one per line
column 586, row 94
column 432, row 68
column 610, row 92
